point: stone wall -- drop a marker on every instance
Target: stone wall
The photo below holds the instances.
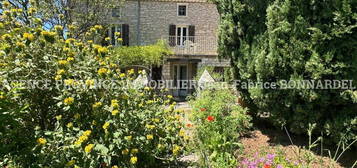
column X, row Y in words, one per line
column 157, row 16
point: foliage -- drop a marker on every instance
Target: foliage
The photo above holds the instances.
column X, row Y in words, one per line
column 269, row 161
column 66, row 13
column 65, row 103
column 275, row 40
column 218, row 123
column 151, row 55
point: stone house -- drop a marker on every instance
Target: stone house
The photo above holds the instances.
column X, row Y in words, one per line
column 189, row 27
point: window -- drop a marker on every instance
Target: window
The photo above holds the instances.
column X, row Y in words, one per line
column 182, row 10
column 116, row 12
column 113, row 32
column 181, row 33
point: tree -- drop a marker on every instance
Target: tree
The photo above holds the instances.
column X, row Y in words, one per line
column 275, row 40
column 83, row 14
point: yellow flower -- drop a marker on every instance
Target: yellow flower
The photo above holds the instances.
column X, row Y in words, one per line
column 89, row 82
column 160, row 146
column 6, row 4
column 156, row 120
column 122, row 75
column 182, row 133
column 102, row 71
column 32, row 10
column 41, row 141
column 68, row 100
column 58, row 77
column 61, row 71
column 128, row 138
column 62, row 62
column 150, row 102
column 49, row 36
column 169, row 96
column 71, row 27
column 150, row 126
column 125, row 151
column 114, row 103
column 103, row 50
column 98, row 27
column 106, row 125
column 69, row 82
column 6, row 37
column 87, row 133
column 97, row 104
column 69, row 125
column 117, row 34
column 113, row 65
column 133, row 160
column 115, row 166
column 70, row 41
column 59, row 117
column 89, row 148
column 107, row 39
column 77, row 116
column 28, row 36
column 69, row 59
column 58, row 27
column 115, row 112
column 20, row 44
column 147, row 88
column 70, row 163
column 134, row 151
column 150, row 137
column 131, row 71
column 176, row 149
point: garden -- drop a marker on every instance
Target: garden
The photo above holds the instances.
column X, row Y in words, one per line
column 68, row 100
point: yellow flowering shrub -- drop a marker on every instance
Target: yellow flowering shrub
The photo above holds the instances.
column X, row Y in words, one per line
column 70, row 117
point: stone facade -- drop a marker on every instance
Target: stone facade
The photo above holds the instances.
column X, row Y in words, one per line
column 154, row 18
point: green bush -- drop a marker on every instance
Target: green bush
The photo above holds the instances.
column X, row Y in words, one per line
column 276, row 40
column 218, row 123
column 151, row 55
column 76, row 120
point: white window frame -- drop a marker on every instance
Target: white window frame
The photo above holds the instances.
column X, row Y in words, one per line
column 117, row 27
column 178, row 11
column 181, row 36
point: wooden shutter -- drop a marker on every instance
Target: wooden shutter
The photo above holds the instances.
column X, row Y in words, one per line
column 112, row 35
column 191, row 33
column 172, row 35
column 125, row 34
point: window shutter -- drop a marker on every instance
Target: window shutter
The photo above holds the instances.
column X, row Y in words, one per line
column 191, row 33
column 172, row 35
column 125, row 34
column 112, row 35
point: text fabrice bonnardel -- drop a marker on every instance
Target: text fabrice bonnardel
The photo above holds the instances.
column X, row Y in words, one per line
column 181, row 84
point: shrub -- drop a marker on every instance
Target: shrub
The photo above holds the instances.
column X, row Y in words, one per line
column 275, row 40
column 151, row 55
column 269, row 161
column 218, row 122
column 84, row 112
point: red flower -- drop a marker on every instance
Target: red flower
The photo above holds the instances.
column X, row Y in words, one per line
column 210, row 118
column 266, row 166
column 189, row 125
column 202, row 109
